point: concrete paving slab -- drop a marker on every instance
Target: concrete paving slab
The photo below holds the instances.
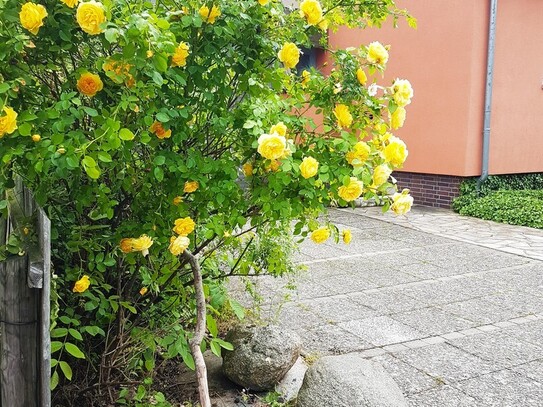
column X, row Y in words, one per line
column 442, row 396
column 330, row 339
column 433, row 321
column 532, row 370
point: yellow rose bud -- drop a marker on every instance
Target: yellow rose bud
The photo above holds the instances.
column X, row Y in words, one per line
column 351, row 191
column 247, row 169
column 306, row 77
column 81, row 285
column 263, row 2
column 209, row 15
column 397, row 119
column 158, row 130
column 184, row 226
column 36, row 138
column 177, row 200
column 377, row 54
column 347, row 236
column 402, row 92
column 126, row 245
column 343, row 116
column 90, row 15
column 272, row 146
column 311, row 10
column 361, row 76
column 143, row 290
column 70, row 3
column 190, row 186
column 89, row 84
column 289, row 55
column 31, row 16
column 61, row 150
column 395, row 152
column 8, row 121
column 178, row 244
column 179, row 58
column 360, row 153
column 279, row 128
column 381, row 174
column 320, row 235
column 149, row 53
column 401, row 203
column 309, row 167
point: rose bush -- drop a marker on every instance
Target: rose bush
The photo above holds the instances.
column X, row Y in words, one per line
column 158, row 133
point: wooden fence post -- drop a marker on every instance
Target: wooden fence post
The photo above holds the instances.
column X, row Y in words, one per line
column 25, row 349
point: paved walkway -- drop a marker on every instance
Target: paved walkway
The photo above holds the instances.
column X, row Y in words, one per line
column 454, row 322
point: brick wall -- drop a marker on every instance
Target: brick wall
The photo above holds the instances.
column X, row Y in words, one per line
column 429, row 189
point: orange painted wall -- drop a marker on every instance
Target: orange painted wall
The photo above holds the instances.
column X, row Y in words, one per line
column 516, row 143
column 445, row 60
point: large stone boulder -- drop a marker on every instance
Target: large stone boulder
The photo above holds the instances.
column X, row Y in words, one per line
column 348, row 381
column 261, row 355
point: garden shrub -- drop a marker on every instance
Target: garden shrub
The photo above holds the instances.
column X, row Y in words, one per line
column 156, row 132
column 524, row 207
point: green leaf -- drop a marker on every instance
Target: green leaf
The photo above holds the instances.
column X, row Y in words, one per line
column 126, row 134
column 66, row 369
column 54, row 380
column 59, row 332
column 90, row 111
column 215, row 348
column 4, row 87
column 160, row 62
column 74, row 350
column 56, row 346
column 88, row 161
column 25, row 129
column 75, row 334
column 93, row 172
column 104, row 157
column 211, row 325
column 162, row 117
column 237, row 308
column 159, row 160
column 159, row 174
column 224, row 344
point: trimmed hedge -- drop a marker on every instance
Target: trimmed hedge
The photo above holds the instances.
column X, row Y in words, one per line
column 523, row 208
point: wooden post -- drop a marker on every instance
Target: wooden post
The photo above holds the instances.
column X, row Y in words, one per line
column 19, row 320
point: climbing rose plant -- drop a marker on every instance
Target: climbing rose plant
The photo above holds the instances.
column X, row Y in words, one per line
column 175, row 140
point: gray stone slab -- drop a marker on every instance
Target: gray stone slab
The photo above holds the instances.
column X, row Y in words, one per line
column 345, row 283
column 446, row 362
column 409, row 380
column 433, row 321
column 482, row 310
column 504, row 388
column 381, row 330
column 523, row 303
column 500, row 348
column 442, row 396
column 331, row 339
column 322, row 251
column 338, row 309
column 295, row 316
column 531, row 332
column 532, row 370
column 387, row 301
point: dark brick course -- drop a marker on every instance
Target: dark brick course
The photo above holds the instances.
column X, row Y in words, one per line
column 430, row 189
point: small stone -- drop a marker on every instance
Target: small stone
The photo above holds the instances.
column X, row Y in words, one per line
column 347, row 381
column 261, row 356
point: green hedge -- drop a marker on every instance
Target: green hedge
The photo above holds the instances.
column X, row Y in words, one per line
column 523, row 208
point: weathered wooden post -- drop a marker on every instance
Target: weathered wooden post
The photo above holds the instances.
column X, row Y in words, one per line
column 24, row 307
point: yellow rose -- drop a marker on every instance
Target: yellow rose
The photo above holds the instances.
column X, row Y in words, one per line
column 190, row 186
column 209, row 15
column 289, row 55
column 184, row 226
column 31, row 16
column 361, row 76
column 402, row 92
column 343, row 116
column 70, row 3
column 309, row 167
column 347, row 236
column 279, row 128
column 178, row 244
column 8, row 121
column 263, row 2
column 401, row 203
column 143, row 290
column 142, row 244
column 395, row 152
column 126, row 245
column 90, row 16
column 351, row 191
column 381, row 174
column 306, row 77
column 397, row 119
column 177, row 200
column 311, row 10
column 377, row 54
column 82, row 284
column 360, row 152
column 271, row 146
column 320, row 235
column 179, row 58
column 89, row 84
column 158, row 130
column 247, row 169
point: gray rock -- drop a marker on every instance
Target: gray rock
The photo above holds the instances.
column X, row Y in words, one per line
column 349, row 381
column 261, row 356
